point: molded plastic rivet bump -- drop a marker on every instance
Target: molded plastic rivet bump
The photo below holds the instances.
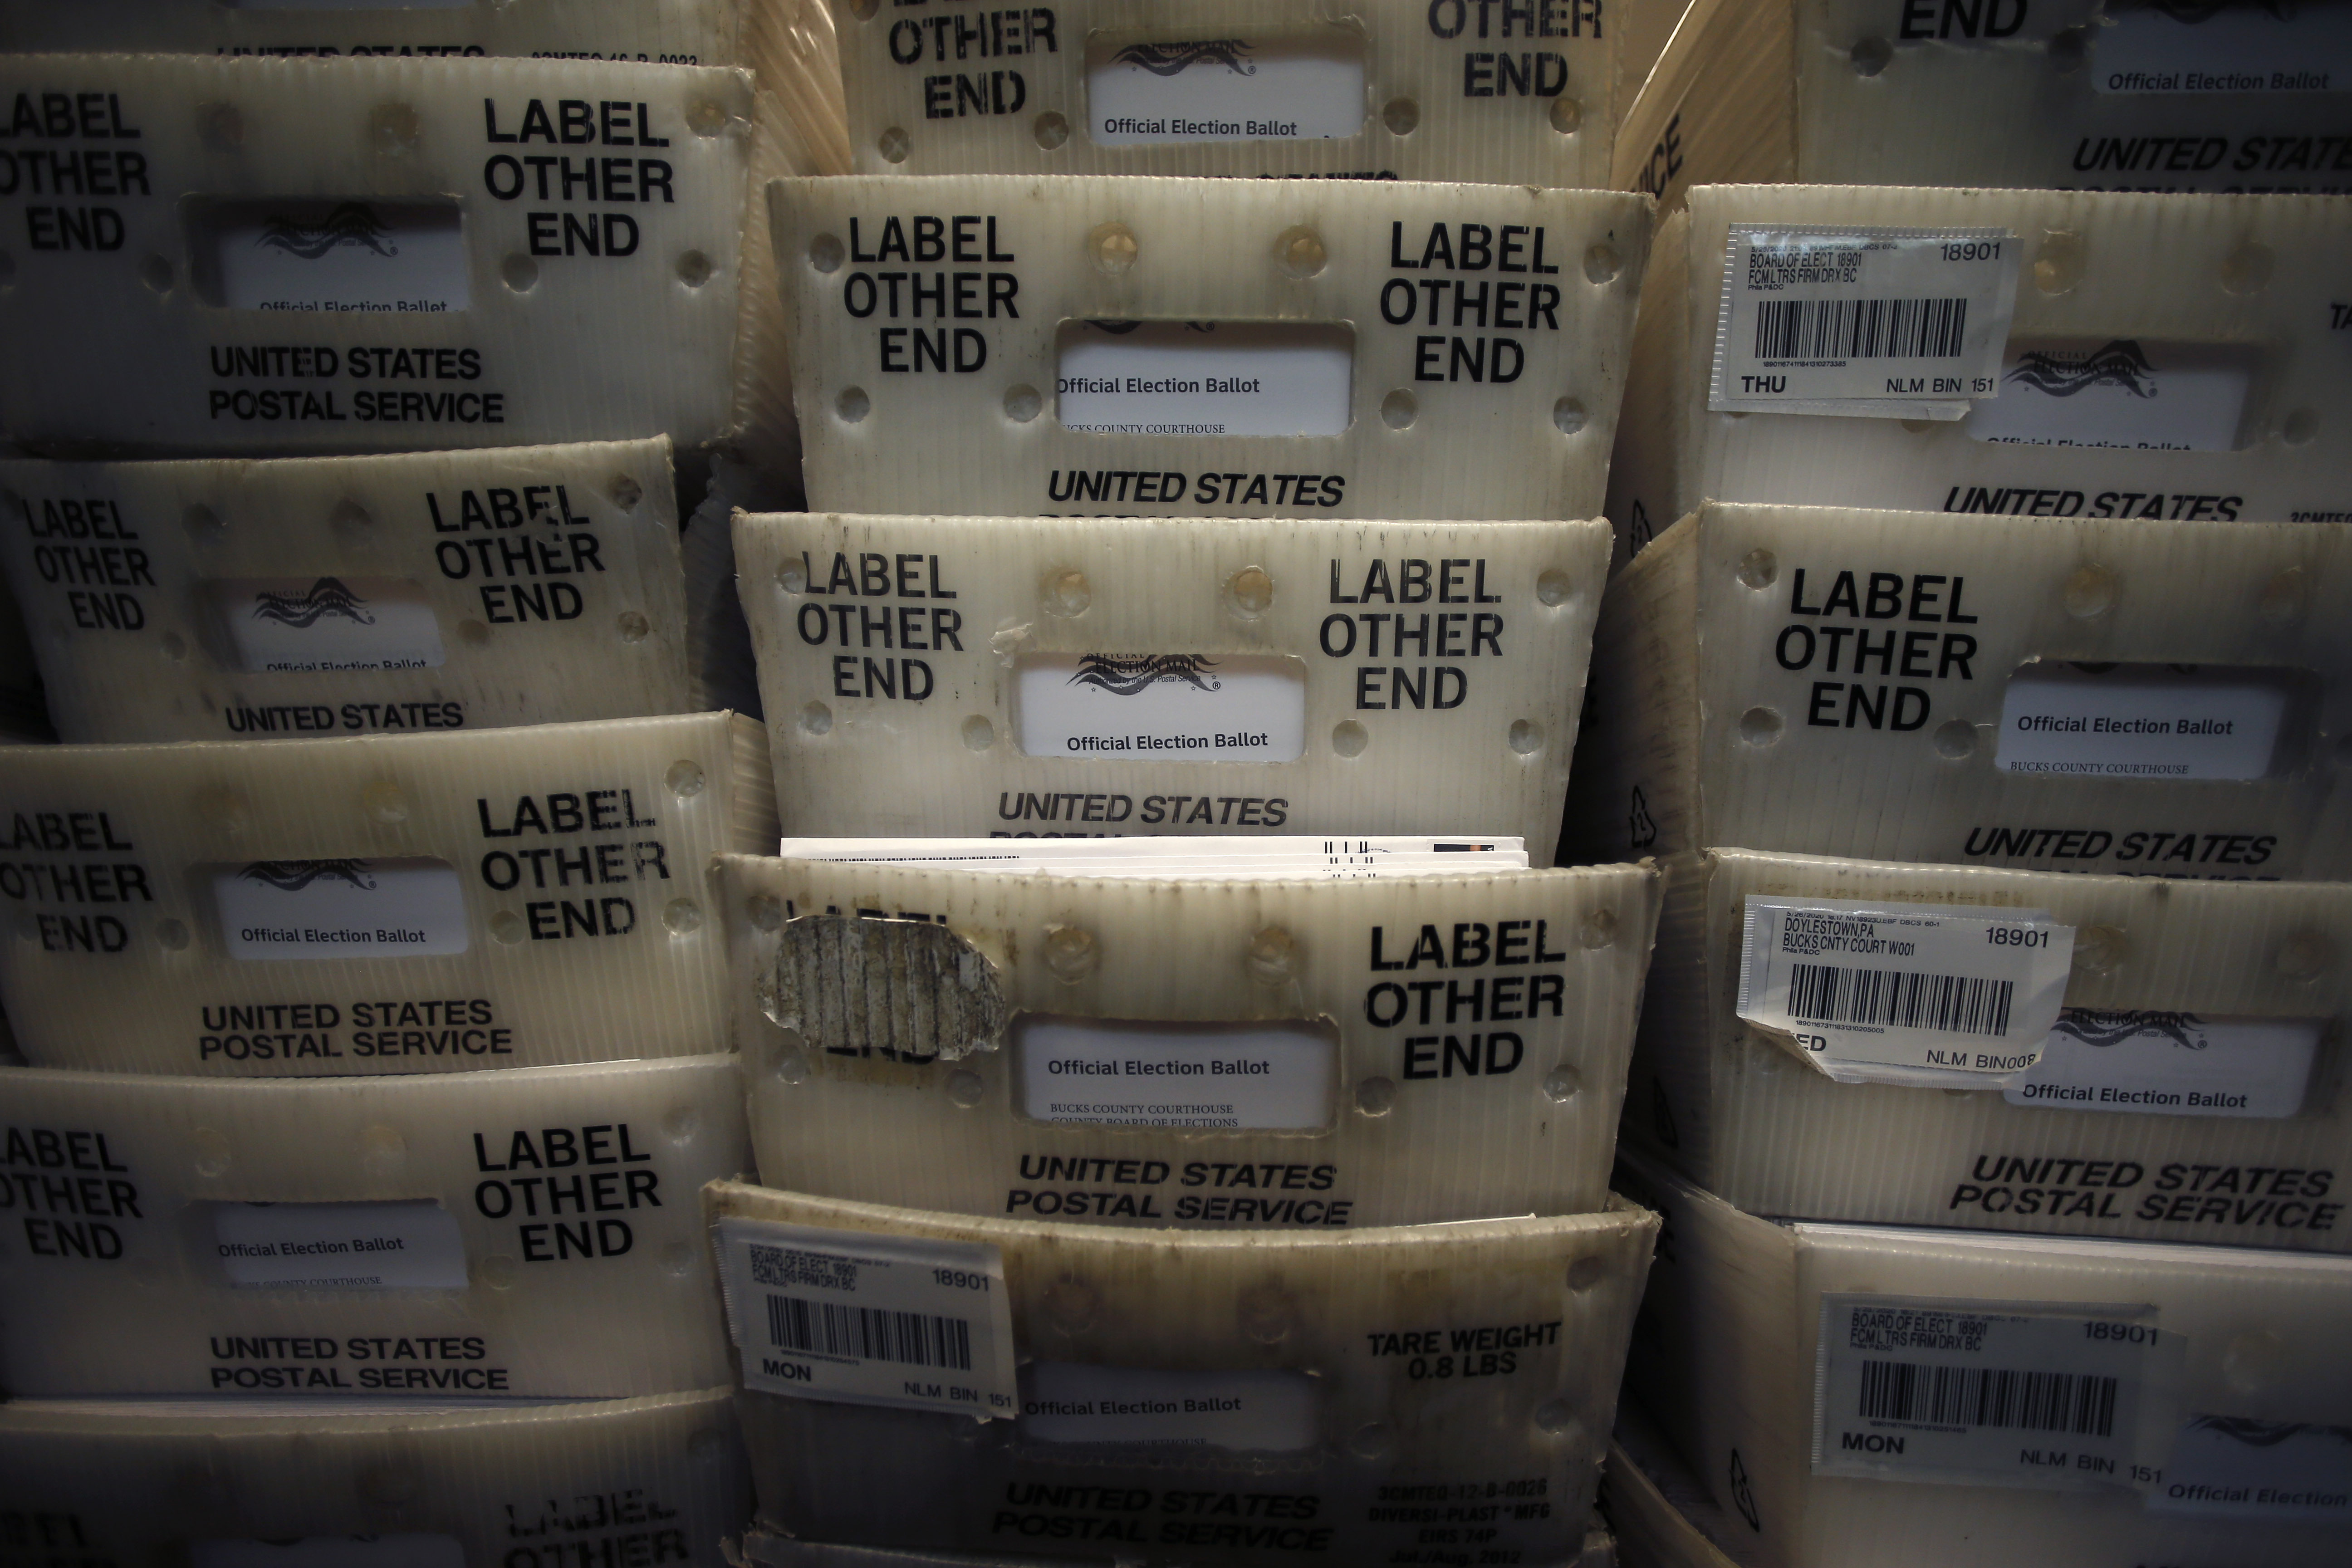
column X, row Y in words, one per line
column 1070, row 953
column 1112, row 248
column 1758, row 569
column 1051, row 129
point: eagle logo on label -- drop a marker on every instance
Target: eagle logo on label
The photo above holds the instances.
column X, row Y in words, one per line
column 2121, row 363
column 350, row 222
column 2094, row 1027
column 2257, row 1433
column 293, row 875
column 1172, row 60
column 325, row 599
column 1126, row 677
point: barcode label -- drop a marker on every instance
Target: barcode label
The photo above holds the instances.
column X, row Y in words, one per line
column 2065, row 1402
column 865, row 1318
column 1924, row 995
column 865, row 1333
column 1897, row 323
column 2027, row 1393
column 1860, row 329
column 1894, row 998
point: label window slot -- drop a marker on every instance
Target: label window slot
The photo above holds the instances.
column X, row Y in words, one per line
column 1258, row 1076
column 1205, row 378
column 353, row 255
column 1161, row 707
column 339, row 908
column 1296, row 87
column 407, row 1245
column 2120, row 393
column 2153, row 722
column 314, row 625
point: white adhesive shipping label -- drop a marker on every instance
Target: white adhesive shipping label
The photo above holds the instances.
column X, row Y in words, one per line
column 1379, row 92
column 1163, row 1374
column 300, row 1483
column 1897, row 993
column 1244, row 1049
column 2121, row 394
column 1968, row 1391
column 855, row 1318
column 397, row 1246
column 1274, row 1412
column 1204, row 378
column 518, row 1235
column 406, row 1549
column 2173, row 1064
column 1202, row 347
column 2159, row 49
column 2244, row 1470
column 323, row 256
column 1274, row 88
column 1272, row 1076
column 2095, row 695
column 378, row 904
column 198, row 601
column 2127, row 391
column 1882, row 322
column 2141, row 722
column 1038, row 677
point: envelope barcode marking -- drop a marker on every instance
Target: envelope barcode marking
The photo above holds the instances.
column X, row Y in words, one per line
column 867, row 1333
column 1932, row 1395
column 1860, row 329
column 1893, row 998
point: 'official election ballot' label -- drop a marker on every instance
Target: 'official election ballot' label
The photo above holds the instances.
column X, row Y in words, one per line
column 2020, row 1395
column 339, row 908
column 2140, row 723
column 1205, row 378
column 1886, row 322
column 398, row 1245
column 861, row 1318
column 1894, row 993
column 1263, row 1411
column 2162, row 48
column 2244, row 1468
column 2121, row 393
column 1269, row 1077
column 1167, row 707
column 2173, row 1064
column 1285, row 88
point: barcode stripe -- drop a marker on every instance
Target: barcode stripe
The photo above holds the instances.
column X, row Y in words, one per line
column 869, row 1333
column 2075, row 1403
column 1860, row 329
column 1890, row 998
